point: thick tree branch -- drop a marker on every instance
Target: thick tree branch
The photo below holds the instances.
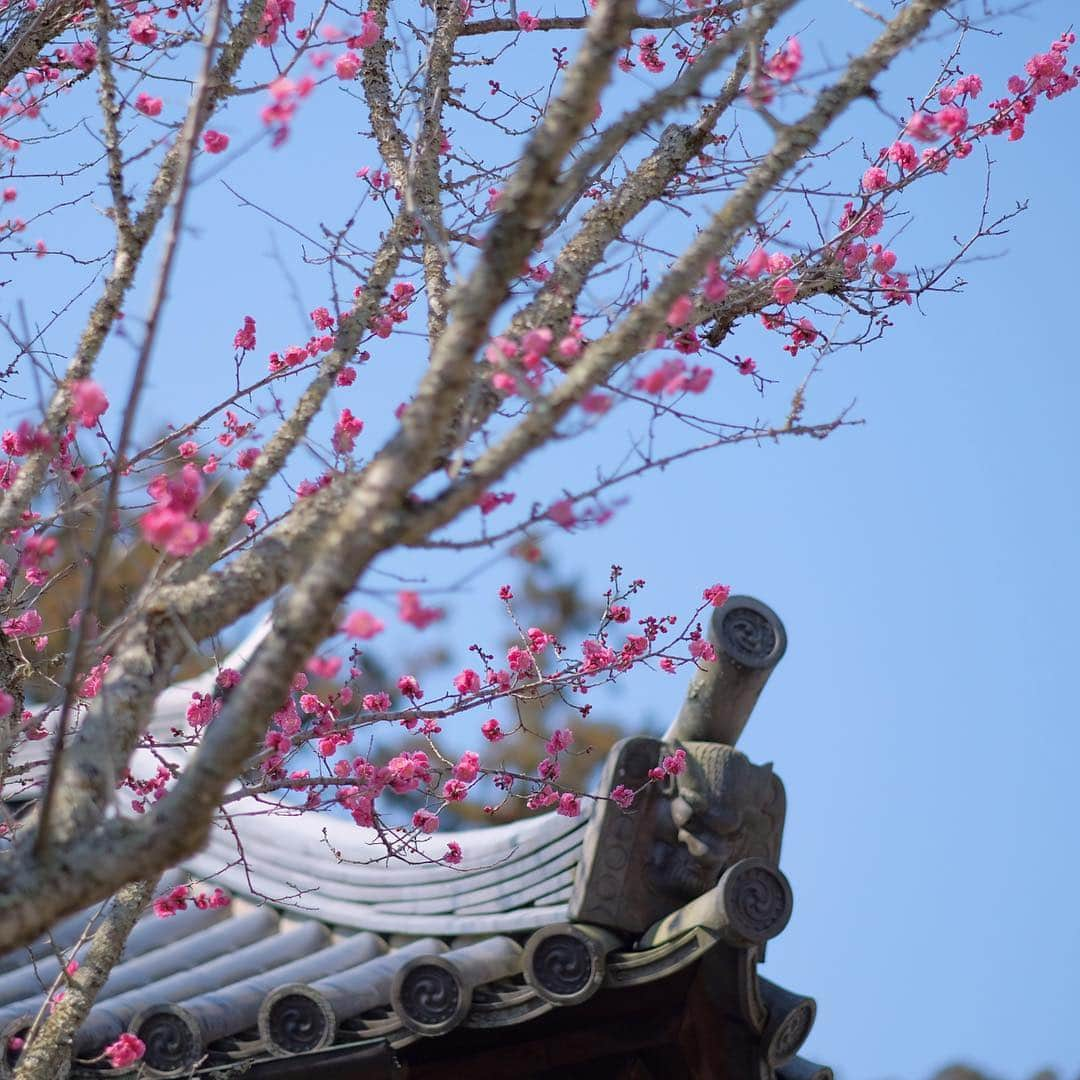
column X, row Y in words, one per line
column 44, row 24
column 523, row 209
column 73, row 812
column 604, row 223
column 603, row 356
column 129, row 251
column 375, row 78
column 47, row 1056
column 110, row 113
column 570, row 22
column 422, row 187
column 613, row 138
column 372, row 514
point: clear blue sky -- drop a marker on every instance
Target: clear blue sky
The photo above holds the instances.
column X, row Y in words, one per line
column 923, row 720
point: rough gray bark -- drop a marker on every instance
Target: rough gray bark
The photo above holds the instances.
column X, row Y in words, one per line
column 329, row 541
column 48, row 1052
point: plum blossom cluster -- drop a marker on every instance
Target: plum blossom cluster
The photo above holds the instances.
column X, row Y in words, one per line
column 171, row 524
column 294, row 355
column 394, row 310
column 325, row 721
column 520, row 366
column 29, row 439
column 177, row 899
column 152, row 789
column 672, row 377
column 947, row 122
column 568, row 514
column 25, row 625
column 285, row 93
column 93, row 681
column 88, row 402
column 125, row 1051
column 949, row 117
column 346, row 431
column 785, row 63
column 411, row 610
column 285, row 97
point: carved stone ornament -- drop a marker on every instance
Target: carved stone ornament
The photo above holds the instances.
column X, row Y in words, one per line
column 749, row 906
column 682, row 834
column 749, row 636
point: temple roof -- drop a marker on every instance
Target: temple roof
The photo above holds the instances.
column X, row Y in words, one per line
column 206, row 989
column 554, row 948
column 377, row 957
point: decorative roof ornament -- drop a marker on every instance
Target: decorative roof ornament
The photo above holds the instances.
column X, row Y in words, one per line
column 683, row 835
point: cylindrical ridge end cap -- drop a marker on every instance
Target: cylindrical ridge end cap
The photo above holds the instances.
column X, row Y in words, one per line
column 789, row 1020
column 756, row 901
column 565, row 963
column 295, row 1019
column 173, row 1039
column 800, row 1069
column 429, row 996
column 749, row 640
column 748, row 632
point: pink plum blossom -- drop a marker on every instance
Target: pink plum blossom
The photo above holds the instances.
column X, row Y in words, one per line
column 147, row 105
column 215, row 142
column 88, row 402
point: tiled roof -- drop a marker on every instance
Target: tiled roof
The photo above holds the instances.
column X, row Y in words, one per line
column 382, row 956
column 513, row 878
column 334, row 960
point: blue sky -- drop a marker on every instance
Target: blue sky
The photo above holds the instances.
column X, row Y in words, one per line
column 924, row 564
